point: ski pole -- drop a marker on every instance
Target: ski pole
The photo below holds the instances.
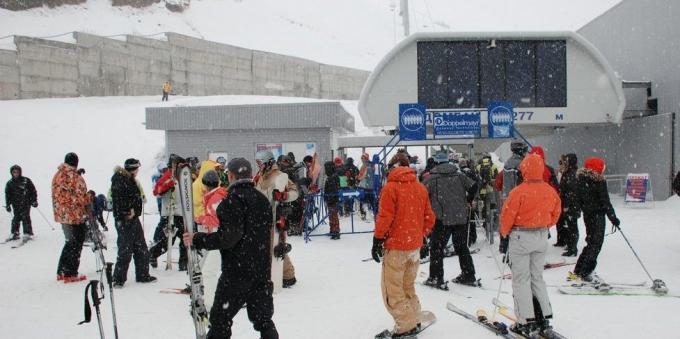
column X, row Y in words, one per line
column 636, row 255
column 109, row 280
column 45, row 218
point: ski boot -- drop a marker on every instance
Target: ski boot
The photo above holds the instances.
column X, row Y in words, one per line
column 570, row 253
column 149, row 279
column 659, row 286
column 437, row 283
column 528, row 330
column 288, row 283
column 466, row 280
column 14, row 236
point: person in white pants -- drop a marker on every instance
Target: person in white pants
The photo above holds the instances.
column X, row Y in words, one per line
column 530, row 209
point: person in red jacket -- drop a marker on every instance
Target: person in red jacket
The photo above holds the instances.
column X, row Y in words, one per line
column 404, row 218
column 530, row 209
column 211, row 199
column 549, row 175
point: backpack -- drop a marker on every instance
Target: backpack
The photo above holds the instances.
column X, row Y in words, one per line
column 485, row 174
column 511, row 175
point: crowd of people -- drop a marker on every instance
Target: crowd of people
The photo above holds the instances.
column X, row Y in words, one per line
column 249, row 215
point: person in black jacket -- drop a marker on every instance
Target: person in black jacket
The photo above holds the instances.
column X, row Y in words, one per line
column 244, row 241
column 331, row 190
column 20, row 195
column 593, row 198
column 567, row 225
column 676, row 184
column 127, row 207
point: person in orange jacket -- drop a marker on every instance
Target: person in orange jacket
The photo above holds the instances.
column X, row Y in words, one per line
column 530, row 209
column 404, row 218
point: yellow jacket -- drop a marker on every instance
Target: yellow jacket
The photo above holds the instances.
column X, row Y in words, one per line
column 167, row 87
column 198, row 188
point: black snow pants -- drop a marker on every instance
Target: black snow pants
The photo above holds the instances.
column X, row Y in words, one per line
column 439, row 238
column 161, row 245
column 69, row 261
column 567, row 231
column 22, row 214
column 131, row 243
column 231, row 295
column 587, row 261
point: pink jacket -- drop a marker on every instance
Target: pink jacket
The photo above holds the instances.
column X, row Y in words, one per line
column 211, row 200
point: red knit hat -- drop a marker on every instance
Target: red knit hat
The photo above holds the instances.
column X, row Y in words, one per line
column 538, row 150
column 595, row 164
column 337, row 161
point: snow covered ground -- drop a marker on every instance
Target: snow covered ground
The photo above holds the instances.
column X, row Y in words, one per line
column 337, row 295
column 353, row 33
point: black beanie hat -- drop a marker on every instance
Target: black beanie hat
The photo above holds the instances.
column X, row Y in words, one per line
column 211, row 179
column 240, row 167
column 131, row 164
column 71, row 159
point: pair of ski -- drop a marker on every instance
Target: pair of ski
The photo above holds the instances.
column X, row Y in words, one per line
column 23, row 242
column 199, row 313
column 500, row 328
column 547, row 266
column 600, row 287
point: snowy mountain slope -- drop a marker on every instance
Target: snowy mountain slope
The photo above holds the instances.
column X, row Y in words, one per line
column 337, row 296
column 353, row 33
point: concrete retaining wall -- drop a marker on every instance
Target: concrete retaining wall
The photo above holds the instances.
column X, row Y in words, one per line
column 47, row 69
column 98, row 66
column 9, row 75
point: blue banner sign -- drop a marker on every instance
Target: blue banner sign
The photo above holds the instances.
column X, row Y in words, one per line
column 457, row 124
column 412, row 122
column 500, row 119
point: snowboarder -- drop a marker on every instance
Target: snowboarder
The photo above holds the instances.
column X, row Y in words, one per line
column 70, row 200
column 127, row 208
column 170, row 208
column 20, row 195
column 529, row 210
column 488, row 172
column 297, row 173
column 593, row 198
column 404, row 218
column 450, row 192
column 244, row 241
column 467, row 169
column 365, row 179
column 166, row 90
column 567, row 226
column 276, row 186
column 221, row 171
column 330, row 189
column 99, row 206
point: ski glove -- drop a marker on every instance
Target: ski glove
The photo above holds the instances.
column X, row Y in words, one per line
column 377, row 249
column 503, row 245
column 9, row 208
column 35, row 204
column 280, row 196
column 615, row 224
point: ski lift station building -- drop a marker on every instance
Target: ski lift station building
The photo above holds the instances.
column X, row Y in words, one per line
column 587, row 92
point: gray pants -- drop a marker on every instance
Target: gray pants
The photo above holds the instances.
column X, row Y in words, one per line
column 527, row 256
